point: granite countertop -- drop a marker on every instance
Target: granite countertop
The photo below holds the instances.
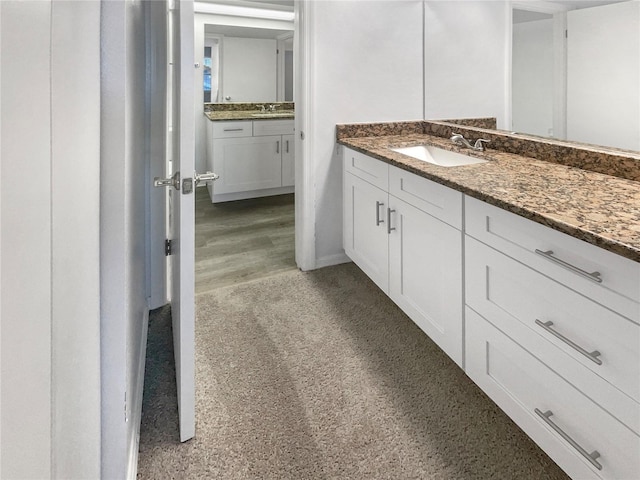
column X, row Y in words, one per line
column 233, row 115
column 600, row 209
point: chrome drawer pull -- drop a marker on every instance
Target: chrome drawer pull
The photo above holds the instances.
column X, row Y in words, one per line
column 233, row 129
column 593, row 356
column 591, row 457
column 389, row 212
column 378, row 219
column 594, row 276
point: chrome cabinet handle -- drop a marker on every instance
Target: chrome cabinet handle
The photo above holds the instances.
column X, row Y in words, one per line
column 389, row 212
column 591, row 457
column 277, row 146
column 378, row 219
column 287, row 144
column 593, row 276
column 233, row 129
column 593, row 356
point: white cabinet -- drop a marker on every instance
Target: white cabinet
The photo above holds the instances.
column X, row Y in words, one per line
column 252, row 158
column 365, row 234
column 553, row 325
column 411, row 254
column 578, row 433
column 246, row 163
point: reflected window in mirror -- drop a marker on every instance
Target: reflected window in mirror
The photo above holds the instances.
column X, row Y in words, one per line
column 211, row 70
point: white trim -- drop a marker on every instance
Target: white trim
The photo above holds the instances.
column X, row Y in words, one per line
column 508, row 71
column 331, row 260
column 239, row 11
column 136, row 403
column 305, row 214
column 538, row 6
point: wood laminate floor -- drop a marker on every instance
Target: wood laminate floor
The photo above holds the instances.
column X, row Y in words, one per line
column 242, row 240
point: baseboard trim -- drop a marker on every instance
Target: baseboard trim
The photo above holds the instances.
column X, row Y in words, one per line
column 329, row 260
column 136, row 403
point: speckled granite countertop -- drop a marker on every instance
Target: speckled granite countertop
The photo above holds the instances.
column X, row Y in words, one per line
column 217, row 116
column 600, row 209
column 235, row 111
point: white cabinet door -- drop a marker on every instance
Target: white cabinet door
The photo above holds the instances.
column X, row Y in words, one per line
column 288, row 160
column 365, row 228
column 425, row 274
column 247, row 163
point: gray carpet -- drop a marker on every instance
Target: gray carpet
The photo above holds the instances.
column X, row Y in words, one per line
column 320, row 376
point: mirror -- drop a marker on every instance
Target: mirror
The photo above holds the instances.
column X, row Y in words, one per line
column 576, row 71
column 247, row 64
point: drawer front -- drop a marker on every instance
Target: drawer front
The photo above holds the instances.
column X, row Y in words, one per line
column 374, row 171
column 272, row 127
column 232, row 129
column 519, row 238
column 437, row 200
column 522, row 302
column 526, row 388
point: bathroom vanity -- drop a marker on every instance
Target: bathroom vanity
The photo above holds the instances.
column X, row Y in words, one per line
column 525, row 271
column 251, row 149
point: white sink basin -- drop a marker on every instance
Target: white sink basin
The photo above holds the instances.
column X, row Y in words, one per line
column 438, row 156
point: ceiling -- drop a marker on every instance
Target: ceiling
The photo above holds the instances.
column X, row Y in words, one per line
column 521, row 15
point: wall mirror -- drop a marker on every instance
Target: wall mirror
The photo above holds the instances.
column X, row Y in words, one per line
column 247, row 64
column 575, row 71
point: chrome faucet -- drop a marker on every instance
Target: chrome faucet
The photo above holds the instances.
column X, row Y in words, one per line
column 458, row 139
column 272, row 108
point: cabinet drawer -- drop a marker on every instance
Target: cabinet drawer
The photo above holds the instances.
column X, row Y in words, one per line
column 232, row 129
column 520, row 238
column 437, row 200
column 525, row 388
column 374, row 171
column 512, row 296
column 272, row 127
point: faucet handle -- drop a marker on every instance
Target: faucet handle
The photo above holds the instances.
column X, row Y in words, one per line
column 479, row 144
column 261, row 107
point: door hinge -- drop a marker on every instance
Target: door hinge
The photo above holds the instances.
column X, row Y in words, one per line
column 167, row 247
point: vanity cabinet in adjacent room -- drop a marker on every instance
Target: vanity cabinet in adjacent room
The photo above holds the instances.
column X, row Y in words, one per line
column 252, row 158
column 404, row 232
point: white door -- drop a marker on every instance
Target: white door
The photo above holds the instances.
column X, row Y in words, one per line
column 182, row 206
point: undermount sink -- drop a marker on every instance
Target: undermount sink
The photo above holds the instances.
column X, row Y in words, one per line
column 438, row 156
column 272, row 114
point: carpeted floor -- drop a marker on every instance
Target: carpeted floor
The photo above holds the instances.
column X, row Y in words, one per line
column 319, row 375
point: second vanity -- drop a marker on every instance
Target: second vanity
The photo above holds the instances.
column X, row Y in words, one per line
column 251, row 148
column 525, row 272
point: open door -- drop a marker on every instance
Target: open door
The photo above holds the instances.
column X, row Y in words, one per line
column 180, row 182
column 182, row 208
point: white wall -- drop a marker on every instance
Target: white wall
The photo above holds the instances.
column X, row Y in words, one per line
column 466, row 52
column 603, row 75
column 532, row 77
column 365, row 66
column 49, row 245
column 249, row 69
column 123, row 187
